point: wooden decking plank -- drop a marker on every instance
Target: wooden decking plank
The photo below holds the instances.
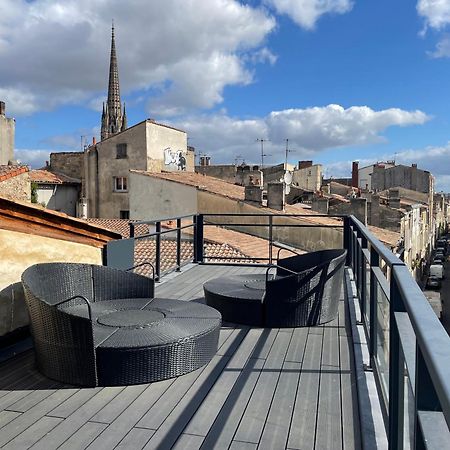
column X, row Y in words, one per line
column 24, row 404
column 188, row 442
column 221, row 433
column 158, row 413
column 351, row 437
column 173, row 426
column 115, row 407
column 77, row 419
column 328, row 426
column 233, row 342
column 6, row 417
column 84, row 436
column 135, row 439
column 73, row 403
column 239, row 445
column 268, row 337
column 25, row 420
column 276, row 430
column 254, row 418
column 33, row 433
column 205, row 415
column 225, row 333
column 296, row 349
column 120, row 427
column 302, row 432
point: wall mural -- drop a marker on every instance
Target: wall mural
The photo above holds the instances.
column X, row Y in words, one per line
column 175, row 159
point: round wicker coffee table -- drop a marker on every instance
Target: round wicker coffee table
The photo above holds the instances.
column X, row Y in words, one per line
column 146, row 340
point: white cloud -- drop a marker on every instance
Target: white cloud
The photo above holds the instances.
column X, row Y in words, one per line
column 56, row 52
column 32, row 157
column 435, row 12
column 442, row 48
column 307, row 12
column 309, row 131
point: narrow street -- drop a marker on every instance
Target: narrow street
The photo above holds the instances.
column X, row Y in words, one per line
column 445, row 298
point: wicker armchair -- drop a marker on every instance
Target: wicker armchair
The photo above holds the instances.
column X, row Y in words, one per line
column 95, row 325
column 303, row 291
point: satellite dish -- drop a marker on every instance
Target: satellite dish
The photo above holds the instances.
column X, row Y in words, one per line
column 287, row 178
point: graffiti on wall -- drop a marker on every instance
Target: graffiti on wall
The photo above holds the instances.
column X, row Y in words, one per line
column 175, row 159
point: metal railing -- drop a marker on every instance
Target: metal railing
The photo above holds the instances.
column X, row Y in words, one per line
column 409, row 349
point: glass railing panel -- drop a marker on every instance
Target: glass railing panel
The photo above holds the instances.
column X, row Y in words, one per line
column 408, row 414
column 382, row 332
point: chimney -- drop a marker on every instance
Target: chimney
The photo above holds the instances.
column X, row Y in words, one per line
column 414, row 166
column 47, row 164
column 304, row 164
column 93, row 140
column 275, row 196
column 2, row 109
column 253, row 194
column 355, row 178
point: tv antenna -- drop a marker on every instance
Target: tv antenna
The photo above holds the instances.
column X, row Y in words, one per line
column 262, row 150
column 288, row 150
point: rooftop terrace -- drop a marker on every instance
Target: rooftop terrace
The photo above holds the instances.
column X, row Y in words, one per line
column 376, row 376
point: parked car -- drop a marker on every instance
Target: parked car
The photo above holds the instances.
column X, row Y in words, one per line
column 438, row 261
column 440, row 258
column 437, row 271
column 433, row 282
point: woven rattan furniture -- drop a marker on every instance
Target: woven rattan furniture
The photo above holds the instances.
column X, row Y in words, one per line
column 98, row 326
column 304, row 291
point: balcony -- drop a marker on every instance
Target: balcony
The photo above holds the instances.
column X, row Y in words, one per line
column 377, row 376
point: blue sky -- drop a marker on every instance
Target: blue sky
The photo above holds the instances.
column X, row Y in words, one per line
column 341, row 79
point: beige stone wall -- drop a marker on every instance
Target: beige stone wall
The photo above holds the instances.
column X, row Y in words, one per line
column 7, row 131
column 68, row 163
column 103, row 201
column 310, row 239
column 163, row 145
column 17, row 188
column 309, row 178
column 23, row 250
column 152, row 198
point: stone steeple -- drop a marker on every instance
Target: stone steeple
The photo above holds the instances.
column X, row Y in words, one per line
column 112, row 119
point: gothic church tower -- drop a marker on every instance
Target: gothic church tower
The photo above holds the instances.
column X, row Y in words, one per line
column 113, row 121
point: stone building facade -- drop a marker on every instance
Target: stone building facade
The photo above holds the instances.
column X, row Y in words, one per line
column 7, row 133
column 147, row 146
column 70, row 164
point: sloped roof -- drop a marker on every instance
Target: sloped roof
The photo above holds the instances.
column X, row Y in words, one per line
column 46, row 177
column 31, row 218
column 9, row 171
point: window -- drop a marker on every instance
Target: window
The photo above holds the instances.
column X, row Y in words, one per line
column 120, row 184
column 124, row 214
column 121, row 150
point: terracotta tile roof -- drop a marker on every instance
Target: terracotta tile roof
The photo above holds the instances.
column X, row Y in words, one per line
column 45, row 176
column 9, row 171
column 223, row 188
column 120, row 226
column 201, row 182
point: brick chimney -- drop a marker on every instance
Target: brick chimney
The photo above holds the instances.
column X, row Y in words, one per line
column 2, row 109
column 355, row 174
column 304, row 164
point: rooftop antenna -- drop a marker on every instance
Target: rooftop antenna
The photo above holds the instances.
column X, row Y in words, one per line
column 288, row 150
column 262, row 150
column 237, row 158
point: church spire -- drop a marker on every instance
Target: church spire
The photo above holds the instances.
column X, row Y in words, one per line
column 112, row 118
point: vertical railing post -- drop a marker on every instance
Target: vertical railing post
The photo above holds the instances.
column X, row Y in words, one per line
column 198, row 238
column 396, row 369
column 158, row 250
column 363, row 286
column 270, row 239
column 374, row 262
column 347, row 240
column 131, row 224
column 426, row 398
column 178, row 245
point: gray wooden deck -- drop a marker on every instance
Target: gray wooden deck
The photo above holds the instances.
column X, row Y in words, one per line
column 265, row 388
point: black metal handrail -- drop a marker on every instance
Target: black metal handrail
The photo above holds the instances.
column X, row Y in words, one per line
column 407, row 344
column 412, row 322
